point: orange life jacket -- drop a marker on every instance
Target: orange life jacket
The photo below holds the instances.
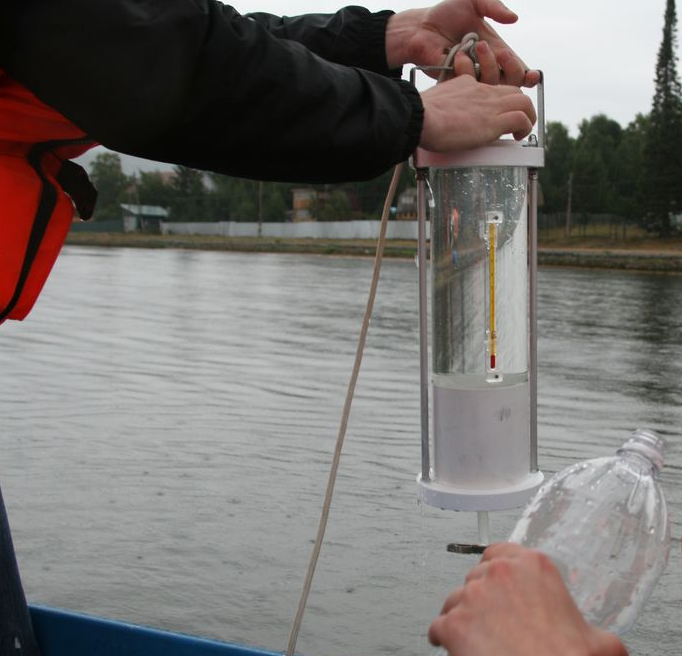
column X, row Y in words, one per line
column 38, row 189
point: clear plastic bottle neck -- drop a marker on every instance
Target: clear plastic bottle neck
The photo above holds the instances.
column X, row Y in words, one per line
column 647, row 445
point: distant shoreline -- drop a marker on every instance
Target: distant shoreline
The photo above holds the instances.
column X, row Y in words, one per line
column 630, row 259
column 640, row 255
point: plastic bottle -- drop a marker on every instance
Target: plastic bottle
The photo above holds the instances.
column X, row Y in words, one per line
column 604, row 523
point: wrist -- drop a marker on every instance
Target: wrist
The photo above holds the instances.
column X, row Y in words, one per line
column 428, row 137
column 400, row 29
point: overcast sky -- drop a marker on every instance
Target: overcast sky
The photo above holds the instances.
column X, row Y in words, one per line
column 598, row 56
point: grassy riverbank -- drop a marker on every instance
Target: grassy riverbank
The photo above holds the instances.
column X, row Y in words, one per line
column 637, row 252
column 359, row 247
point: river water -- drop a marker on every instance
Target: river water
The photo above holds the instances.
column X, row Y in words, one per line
column 168, row 419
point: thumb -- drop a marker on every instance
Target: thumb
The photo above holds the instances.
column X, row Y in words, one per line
column 496, row 10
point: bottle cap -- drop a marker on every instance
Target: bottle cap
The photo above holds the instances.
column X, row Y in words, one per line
column 649, row 444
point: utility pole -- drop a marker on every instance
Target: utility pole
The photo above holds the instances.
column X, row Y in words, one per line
column 260, row 208
column 568, row 204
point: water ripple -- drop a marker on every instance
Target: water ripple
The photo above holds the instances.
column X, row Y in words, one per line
column 169, row 418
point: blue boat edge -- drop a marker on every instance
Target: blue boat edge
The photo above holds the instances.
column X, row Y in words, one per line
column 65, row 633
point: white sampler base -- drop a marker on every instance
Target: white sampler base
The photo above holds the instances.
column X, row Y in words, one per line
column 447, row 497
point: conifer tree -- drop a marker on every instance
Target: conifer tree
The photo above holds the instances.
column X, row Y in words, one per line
column 554, row 177
column 111, row 183
column 660, row 192
column 189, row 195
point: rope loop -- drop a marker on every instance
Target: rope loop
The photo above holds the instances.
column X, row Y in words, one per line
column 468, row 46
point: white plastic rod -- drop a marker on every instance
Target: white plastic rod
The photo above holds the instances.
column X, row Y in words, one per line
column 483, row 527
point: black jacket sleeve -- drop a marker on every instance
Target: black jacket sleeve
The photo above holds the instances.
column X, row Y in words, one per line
column 352, row 36
column 193, row 82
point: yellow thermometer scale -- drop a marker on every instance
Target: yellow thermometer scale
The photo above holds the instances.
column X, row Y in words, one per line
column 493, row 220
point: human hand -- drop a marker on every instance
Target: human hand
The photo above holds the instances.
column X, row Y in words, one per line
column 514, row 602
column 462, row 113
column 421, row 36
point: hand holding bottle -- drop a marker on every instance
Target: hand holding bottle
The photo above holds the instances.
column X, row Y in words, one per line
column 514, row 602
column 604, row 523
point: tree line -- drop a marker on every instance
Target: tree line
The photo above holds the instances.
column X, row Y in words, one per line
column 634, row 172
column 191, row 195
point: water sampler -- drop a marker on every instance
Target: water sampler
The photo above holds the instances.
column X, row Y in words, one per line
column 482, row 452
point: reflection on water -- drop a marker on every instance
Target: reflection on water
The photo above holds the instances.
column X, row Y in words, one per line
column 168, row 419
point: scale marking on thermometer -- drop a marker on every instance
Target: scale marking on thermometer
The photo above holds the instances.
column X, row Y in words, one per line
column 493, row 219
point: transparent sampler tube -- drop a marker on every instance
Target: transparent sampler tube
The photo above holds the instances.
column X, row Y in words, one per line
column 479, row 260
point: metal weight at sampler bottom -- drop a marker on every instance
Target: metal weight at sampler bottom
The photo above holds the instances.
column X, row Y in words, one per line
column 463, row 548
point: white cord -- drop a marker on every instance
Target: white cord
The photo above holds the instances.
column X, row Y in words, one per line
column 293, row 636
column 467, row 45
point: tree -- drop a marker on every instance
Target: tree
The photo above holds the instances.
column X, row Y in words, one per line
column 660, row 192
column 237, row 199
column 555, row 175
column 232, row 199
column 276, row 201
column 331, row 206
column 628, row 168
column 367, row 197
column 594, row 165
column 152, row 189
column 112, row 185
column 189, row 200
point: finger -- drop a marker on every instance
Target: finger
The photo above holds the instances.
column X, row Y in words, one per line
column 443, row 632
column 477, row 572
column 502, row 549
column 518, row 124
column 452, row 600
column 513, row 69
column 532, row 78
column 496, row 10
column 436, row 631
column 520, row 135
column 490, row 70
column 520, row 101
column 463, row 65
